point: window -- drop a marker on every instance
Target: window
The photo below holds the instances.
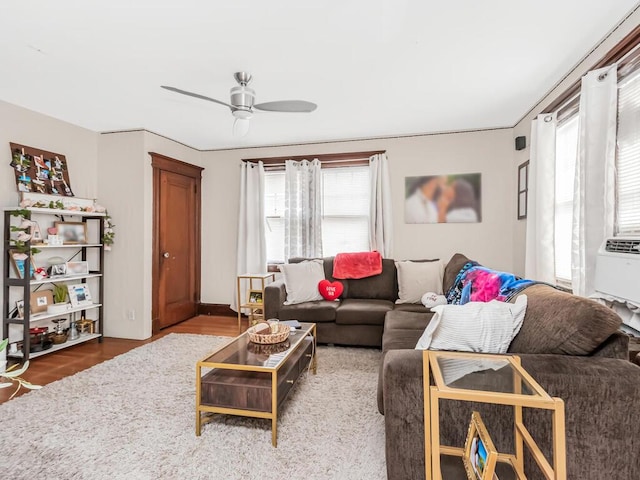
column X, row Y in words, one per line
column 566, row 152
column 628, row 156
column 345, row 211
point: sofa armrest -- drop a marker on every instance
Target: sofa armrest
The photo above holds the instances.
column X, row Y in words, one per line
column 403, row 393
column 601, row 395
column 275, row 295
column 616, row 346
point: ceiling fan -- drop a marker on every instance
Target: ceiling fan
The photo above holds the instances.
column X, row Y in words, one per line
column 242, row 106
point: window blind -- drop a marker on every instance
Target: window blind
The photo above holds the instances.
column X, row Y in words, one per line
column 345, row 211
column 628, row 156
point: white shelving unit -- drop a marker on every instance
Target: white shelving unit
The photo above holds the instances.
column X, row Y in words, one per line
column 22, row 288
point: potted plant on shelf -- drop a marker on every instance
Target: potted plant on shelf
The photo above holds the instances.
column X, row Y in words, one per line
column 60, row 299
column 12, row 374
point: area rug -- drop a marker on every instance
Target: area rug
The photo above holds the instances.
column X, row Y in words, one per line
column 133, row 417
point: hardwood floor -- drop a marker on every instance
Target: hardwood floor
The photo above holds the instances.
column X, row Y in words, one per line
column 49, row 368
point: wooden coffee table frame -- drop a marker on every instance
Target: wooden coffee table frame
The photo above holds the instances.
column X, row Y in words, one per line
column 307, row 329
column 433, row 394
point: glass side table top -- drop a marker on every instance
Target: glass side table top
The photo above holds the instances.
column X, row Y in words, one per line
column 241, row 352
column 482, row 373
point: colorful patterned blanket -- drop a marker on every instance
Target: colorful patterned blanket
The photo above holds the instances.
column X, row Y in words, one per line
column 475, row 283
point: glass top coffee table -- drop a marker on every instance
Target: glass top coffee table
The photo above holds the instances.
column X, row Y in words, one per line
column 252, row 380
column 497, row 379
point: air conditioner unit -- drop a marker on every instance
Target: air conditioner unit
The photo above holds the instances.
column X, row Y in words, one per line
column 618, row 268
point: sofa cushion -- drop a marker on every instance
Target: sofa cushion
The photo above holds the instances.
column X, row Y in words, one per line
column 315, row 312
column 417, row 278
column 327, row 264
column 406, row 320
column 301, row 281
column 451, row 271
column 411, row 307
column 355, row 311
column 562, row 323
column 377, row 287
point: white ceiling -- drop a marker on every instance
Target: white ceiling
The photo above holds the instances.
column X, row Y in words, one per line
column 375, row 68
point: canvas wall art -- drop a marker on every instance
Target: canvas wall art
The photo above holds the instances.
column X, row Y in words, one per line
column 40, row 171
column 443, row 199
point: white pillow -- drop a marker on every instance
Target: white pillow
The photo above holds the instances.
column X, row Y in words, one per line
column 301, row 281
column 474, row 327
column 415, row 278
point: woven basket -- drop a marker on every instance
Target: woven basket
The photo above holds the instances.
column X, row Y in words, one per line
column 281, row 334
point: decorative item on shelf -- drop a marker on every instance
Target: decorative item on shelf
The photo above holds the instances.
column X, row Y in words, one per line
column 40, row 274
column 19, row 260
column 57, row 267
column 12, row 374
column 59, row 335
column 60, row 299
column 78, row 268
column 109, row 234
column 39, row 339
column 20, row 308
column 278, row 333
column 73, row 331
column 22, row 233
column 40, row 301
column 72, row 233
column 255, row 296
column 79, row 295
column 84, row 325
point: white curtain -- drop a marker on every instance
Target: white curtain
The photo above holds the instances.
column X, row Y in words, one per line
column 594, row 186
column 303, row 209
column 380, row 220
column 540, row 250
column 252, row 249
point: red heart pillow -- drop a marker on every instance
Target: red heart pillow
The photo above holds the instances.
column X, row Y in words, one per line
column 329, row 290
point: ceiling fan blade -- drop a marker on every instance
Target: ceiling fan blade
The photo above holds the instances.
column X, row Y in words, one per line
column 196, row 95
column 295, row 106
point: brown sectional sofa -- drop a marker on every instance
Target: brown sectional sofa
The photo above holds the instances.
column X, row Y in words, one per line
column 356, row 319
column 570, row 345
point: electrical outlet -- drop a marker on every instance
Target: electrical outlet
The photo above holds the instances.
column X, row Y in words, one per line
column 131, row 314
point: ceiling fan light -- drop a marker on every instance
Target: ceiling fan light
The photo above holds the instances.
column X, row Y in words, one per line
column 240, row 127
column 242, row 113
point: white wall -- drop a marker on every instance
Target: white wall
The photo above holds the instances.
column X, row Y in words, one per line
column 524, row 126
column 80, row 147
column 125, row 178
column 487, row 152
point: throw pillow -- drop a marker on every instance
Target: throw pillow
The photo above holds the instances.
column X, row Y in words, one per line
column 415, row 278
column 486, row 327
column 431, row 299
column 330, row 290
column 301, row 281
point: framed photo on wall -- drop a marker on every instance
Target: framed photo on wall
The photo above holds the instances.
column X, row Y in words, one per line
column 523, row 189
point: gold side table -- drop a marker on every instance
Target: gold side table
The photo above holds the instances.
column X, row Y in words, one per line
column 254, row 297
column 504, row 382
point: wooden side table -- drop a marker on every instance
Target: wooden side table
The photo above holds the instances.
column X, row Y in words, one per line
column 453, row 374
column 254, row 297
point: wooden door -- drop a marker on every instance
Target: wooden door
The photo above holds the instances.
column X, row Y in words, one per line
column 176, row 255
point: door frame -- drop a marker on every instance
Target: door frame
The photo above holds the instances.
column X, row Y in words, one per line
column 160, row 163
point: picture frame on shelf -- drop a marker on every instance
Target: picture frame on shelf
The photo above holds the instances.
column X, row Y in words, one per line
column 40, row 300
column 20, row 308
column 72, row 233
column 77, row 268
column 480, row 455
column 18, row 260
column 36, row 233
column 79, row 295
column 255, row 296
